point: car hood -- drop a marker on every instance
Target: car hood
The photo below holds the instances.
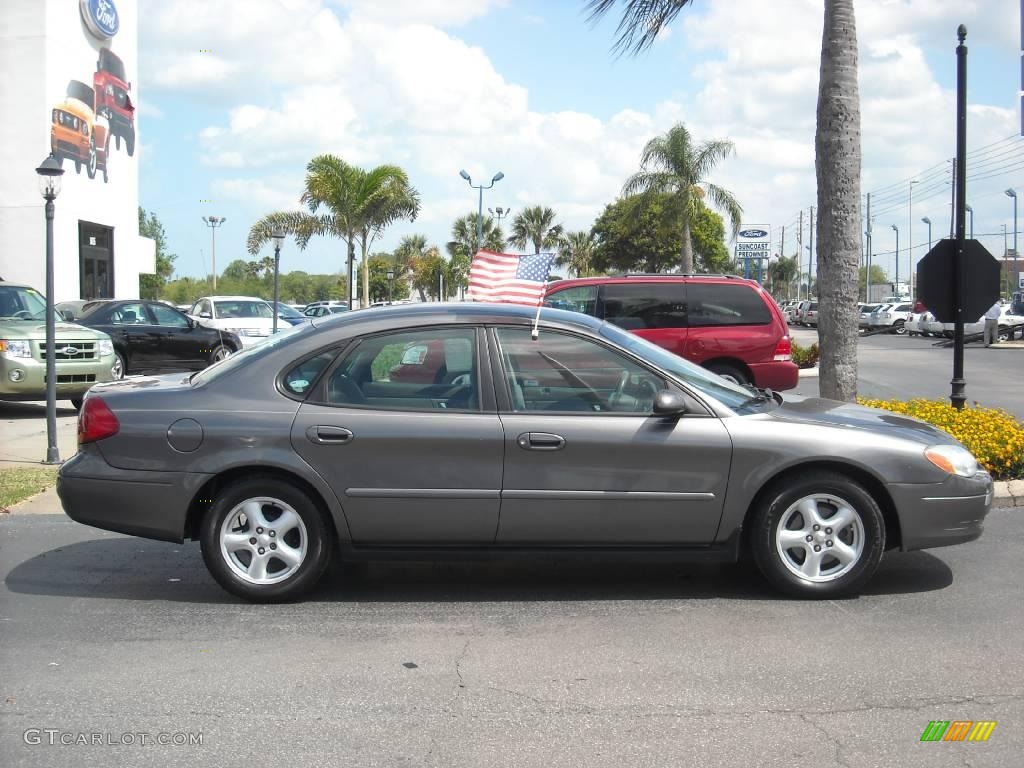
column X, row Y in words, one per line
column 818, row 411
column 36, row 331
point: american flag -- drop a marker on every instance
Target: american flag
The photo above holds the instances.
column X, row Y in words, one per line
column 509, row 277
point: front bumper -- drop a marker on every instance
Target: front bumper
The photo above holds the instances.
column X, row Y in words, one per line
column 73, row 377
column 153, row 505
column 942, row 514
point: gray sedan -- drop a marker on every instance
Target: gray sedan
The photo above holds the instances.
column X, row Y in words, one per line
column 452, row 431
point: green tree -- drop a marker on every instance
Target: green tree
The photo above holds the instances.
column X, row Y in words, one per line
column 461, row 247
column 878, row 277
column 407, row 258
column 343, row 201
column 151, row 286
column 837, row 149
column 636, row 234
column 672, row 165
column 379, row 266
column 576, row 252
column 427, row 270
column 536, row 225
column 782, row 273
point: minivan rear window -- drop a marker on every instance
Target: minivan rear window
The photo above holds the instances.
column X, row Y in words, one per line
column 712, row 304
column 638, row 306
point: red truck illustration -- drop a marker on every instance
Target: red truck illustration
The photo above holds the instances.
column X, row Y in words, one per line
column 112, row 99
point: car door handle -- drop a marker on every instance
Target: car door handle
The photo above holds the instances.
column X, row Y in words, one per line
column 323, row 435
column 540, row 441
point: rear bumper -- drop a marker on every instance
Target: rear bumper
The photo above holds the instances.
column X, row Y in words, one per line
column 153, row 505
column 775, row 375
column 942, row 514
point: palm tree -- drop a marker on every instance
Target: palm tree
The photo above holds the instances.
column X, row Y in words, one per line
column 576, row 251
column 344, row 201
column 837, row 162
column 464, row 230
column 535, row 225
column 783, row 272
column 409, row 256
column 671, row 165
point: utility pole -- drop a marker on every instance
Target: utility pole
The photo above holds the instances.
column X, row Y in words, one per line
column 867, row 271
column 810, row 254
column 782, row 255
column 800, row 255
column 910, row 237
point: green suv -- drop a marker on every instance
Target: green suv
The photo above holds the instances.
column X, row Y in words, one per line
column 83, row 356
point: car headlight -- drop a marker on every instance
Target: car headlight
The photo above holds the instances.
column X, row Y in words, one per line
column 106, row 347
column 953, row 459
column 16, row 348
column 109, row 90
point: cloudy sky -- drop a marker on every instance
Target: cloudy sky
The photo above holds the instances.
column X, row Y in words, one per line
column 531, row 89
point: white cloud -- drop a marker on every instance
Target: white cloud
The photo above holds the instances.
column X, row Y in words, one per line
column 441, row 13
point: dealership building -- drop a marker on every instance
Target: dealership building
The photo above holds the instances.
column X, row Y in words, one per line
column 71, row 87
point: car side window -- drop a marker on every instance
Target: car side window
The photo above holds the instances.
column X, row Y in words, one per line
column 713, row 304
column 130, row 314
column 582, row 298
column 641, row 305
column 561, row 372
column 421, row 369
column 304, row 375
column 167, row 317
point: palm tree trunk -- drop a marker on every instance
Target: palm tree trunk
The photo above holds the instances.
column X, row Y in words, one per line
column 351, row 266
column 686, row 264
column 838, row 165
column 366, row 276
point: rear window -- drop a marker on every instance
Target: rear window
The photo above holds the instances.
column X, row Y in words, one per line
column 712, row 304
column 582, row 298
column 638, row 306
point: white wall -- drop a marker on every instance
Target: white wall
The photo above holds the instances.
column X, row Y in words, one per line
column 44, row 44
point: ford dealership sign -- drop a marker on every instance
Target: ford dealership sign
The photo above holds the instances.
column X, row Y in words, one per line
column 100, row 16
column 753, row 234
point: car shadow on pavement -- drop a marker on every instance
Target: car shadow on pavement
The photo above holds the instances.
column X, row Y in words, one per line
column 15, row 411
column 135, row 569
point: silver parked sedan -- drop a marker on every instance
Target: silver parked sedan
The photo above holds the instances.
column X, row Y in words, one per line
column 441, row 430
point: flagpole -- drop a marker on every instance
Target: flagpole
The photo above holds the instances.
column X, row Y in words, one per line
column 535, row 334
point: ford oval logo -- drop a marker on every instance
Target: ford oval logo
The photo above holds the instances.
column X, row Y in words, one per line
column 100, row 16
column 753, row 233
column 70, row 351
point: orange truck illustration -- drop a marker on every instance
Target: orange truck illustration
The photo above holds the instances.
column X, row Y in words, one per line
column 77, row 134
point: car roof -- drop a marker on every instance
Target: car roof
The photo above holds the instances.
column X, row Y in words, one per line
column 230, row 298
column 468, row 312
column 648, row 277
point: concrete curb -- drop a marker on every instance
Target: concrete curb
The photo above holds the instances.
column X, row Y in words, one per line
column 808, row 373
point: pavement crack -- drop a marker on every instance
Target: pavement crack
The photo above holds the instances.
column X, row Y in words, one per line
column 837, row 745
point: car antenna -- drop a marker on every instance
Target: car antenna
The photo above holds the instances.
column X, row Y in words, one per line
column 535, row 332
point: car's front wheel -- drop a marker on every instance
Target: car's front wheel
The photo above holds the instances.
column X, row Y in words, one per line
column 265, row 540
column 820, row 536
column 219, row 353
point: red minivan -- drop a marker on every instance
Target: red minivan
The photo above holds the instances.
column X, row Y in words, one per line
column 726, row 324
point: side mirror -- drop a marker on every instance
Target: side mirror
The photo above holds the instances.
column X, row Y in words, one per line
column 206, row 315
column 668, row 402
column 66, row 314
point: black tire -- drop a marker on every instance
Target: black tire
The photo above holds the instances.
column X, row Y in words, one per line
column 900, row 327
column 77, row 402
column 1005, row 333
column 219, row 352
column 129, row 142
column 117, row 140
column 319, row 539
column 78, row 166
column 120, row 364
column 730, row 371
column 778, row 503
column 90, row 163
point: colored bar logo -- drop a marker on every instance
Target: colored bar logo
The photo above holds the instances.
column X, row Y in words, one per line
column 958, row 730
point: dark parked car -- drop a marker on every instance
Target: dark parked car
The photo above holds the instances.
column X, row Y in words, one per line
column 588, row 439
column 152, row 337
column 727, row 324
column 289, row 314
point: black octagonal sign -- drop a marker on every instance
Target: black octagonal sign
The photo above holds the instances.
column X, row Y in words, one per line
column 980, row 281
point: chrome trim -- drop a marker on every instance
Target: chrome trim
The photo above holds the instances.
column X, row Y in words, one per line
column 607, row 495
column 422, row 493
column 955, row 498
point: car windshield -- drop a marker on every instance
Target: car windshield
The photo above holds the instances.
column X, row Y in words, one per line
column 17, row 303
column 110, row 63
column 734, row 396
column 283, row 310
column 243, row 308
column 255, row 352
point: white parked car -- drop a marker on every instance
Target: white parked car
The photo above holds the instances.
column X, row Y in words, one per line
column 891, row 316
column 250, row 317
column 1009, row 325
column 865, row 315
column 916, row 324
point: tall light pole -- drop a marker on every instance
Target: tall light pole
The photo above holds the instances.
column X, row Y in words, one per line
column 928, row 221
column 480, row 207
column 1013, row 193
column 213, row 222
column 391, row 277
column 897, row 284
column 278, row 237
column 499, row 213
column 49, row 186
column 971, row 211
column 910, row 235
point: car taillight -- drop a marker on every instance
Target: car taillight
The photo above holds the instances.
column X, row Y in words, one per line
column 96, row 421
column 783, row 350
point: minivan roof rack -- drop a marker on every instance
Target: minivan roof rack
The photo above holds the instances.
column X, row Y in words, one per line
column 677, row 274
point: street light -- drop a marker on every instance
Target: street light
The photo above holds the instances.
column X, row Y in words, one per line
column 910, row 236
column 1013, row 193
column 278, row 237
column 500, row 213
column 970, row 211
column 391, row 277
column 897, row 231
column 49, row 187
column 213, row 222
column 928, row 221
column 480, row 207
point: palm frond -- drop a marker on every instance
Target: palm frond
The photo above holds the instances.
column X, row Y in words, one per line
column 641, row 21
column 724, row 200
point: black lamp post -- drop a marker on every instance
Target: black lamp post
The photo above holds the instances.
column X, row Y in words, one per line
column 278, row 238
column 480, row 206
column 49, row 185
column 391, row 277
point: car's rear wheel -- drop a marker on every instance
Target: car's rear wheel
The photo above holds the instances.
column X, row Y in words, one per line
column 77, row 402
column 729, row 372
column 901, row 327
column 219, row 353
column 119, row 368
column 820, row 536
column 265, row 540
column 1005, row 333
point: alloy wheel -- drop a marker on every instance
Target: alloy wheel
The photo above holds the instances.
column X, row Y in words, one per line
column 263, row 540
column 820, row 538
